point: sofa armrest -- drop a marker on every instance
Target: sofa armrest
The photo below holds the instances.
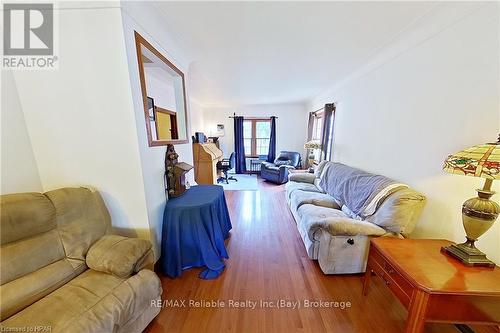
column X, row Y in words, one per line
column 302, row 177
column 343, row 226
column 350, row 227
column 120, row 256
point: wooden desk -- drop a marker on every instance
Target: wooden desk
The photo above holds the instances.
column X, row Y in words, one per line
column 433, row 286
column 205, row 158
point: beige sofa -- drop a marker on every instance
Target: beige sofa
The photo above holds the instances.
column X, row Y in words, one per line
column 330, row 232
column 62, row 270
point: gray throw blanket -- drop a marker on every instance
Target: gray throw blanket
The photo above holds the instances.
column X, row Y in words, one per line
column 362, row 192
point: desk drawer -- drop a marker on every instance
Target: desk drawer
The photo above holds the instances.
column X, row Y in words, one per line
column 392, row 278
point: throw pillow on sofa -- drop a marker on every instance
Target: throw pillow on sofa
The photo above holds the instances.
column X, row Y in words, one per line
column 117, row 255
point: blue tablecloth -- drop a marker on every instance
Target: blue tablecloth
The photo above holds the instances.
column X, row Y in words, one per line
column 195, row 226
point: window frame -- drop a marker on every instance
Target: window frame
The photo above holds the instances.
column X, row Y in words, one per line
column 253, row 139
column 318, row 119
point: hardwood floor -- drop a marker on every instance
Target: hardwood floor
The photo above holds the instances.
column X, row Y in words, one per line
column 268, row 262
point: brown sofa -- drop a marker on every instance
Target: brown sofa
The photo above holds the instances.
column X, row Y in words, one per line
column 62, row 270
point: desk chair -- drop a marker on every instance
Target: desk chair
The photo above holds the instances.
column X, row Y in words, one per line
column 225, row 165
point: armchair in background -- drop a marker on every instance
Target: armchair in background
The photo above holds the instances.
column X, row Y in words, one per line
column 225, row 165
column 277, row 172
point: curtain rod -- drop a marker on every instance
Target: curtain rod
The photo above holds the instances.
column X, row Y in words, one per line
column 322, row 108
column 234, row 116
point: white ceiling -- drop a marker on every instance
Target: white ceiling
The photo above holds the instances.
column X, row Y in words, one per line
column 280, row 52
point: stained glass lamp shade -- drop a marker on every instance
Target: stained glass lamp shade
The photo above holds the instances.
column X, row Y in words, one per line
column 478, row 214
column 313, row 144
column 478, row 161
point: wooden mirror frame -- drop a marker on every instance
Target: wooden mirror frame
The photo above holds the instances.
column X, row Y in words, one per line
column 140, row 41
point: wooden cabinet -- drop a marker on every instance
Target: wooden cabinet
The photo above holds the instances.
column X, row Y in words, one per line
column 433, row 286
column 205, row 158
column 392, row 278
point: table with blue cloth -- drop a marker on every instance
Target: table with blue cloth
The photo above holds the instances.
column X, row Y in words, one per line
column 195, row 226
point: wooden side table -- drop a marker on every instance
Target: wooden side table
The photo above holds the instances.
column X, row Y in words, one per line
column 433, row 286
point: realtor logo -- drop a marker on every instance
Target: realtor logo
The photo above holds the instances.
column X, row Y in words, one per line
column 28, row 36
column 29, row 29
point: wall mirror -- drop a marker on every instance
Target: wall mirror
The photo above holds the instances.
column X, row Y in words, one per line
column 163, row 94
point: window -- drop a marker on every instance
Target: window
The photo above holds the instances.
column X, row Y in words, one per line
column 256, row 134
column 317, row 133
column 317, row 126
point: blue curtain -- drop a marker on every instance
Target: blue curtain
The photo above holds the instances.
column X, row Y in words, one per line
column 239, row 147
column 271, row 155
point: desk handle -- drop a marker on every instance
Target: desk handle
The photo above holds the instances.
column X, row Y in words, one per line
column 387, row 282
column 388, row 268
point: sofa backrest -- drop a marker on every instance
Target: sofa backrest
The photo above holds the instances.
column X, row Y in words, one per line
column 374, row 198
column 44, row 239
column 290, row 157
column 82, row 218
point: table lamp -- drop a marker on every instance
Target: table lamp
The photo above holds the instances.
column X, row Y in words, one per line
column 478, row 214
column 312, row 146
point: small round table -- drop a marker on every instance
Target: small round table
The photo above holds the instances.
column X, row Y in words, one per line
column 195, row 226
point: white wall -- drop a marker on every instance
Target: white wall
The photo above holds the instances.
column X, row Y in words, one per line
column 160, row 87
column 81, row 117
column 18, row 166
column 85, row 120
column 143, row 18
column 197, row 119
column 429, row 96
column 291, row 125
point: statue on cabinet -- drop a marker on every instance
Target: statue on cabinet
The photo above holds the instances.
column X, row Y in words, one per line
column 175, row 173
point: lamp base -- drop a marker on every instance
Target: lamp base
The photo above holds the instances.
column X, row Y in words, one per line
column 468, row 255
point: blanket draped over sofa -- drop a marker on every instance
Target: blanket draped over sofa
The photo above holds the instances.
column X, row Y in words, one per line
column 339, row 208
column 359, row 190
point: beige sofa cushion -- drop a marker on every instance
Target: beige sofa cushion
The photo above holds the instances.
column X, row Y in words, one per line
column 299, row 198
column 24, row 215
column 117, row 255
column 32, row 256
column 302, row 177
column 399, row 212
column 92, row 302
column 82, row 218
column 290, row 187
column 24, row 291
column 314, row 218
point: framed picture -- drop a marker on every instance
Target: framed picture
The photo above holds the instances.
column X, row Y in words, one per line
column 220, row 130
column 151, row 109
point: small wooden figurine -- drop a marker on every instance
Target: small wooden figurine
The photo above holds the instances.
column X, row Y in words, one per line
column 175, row 173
